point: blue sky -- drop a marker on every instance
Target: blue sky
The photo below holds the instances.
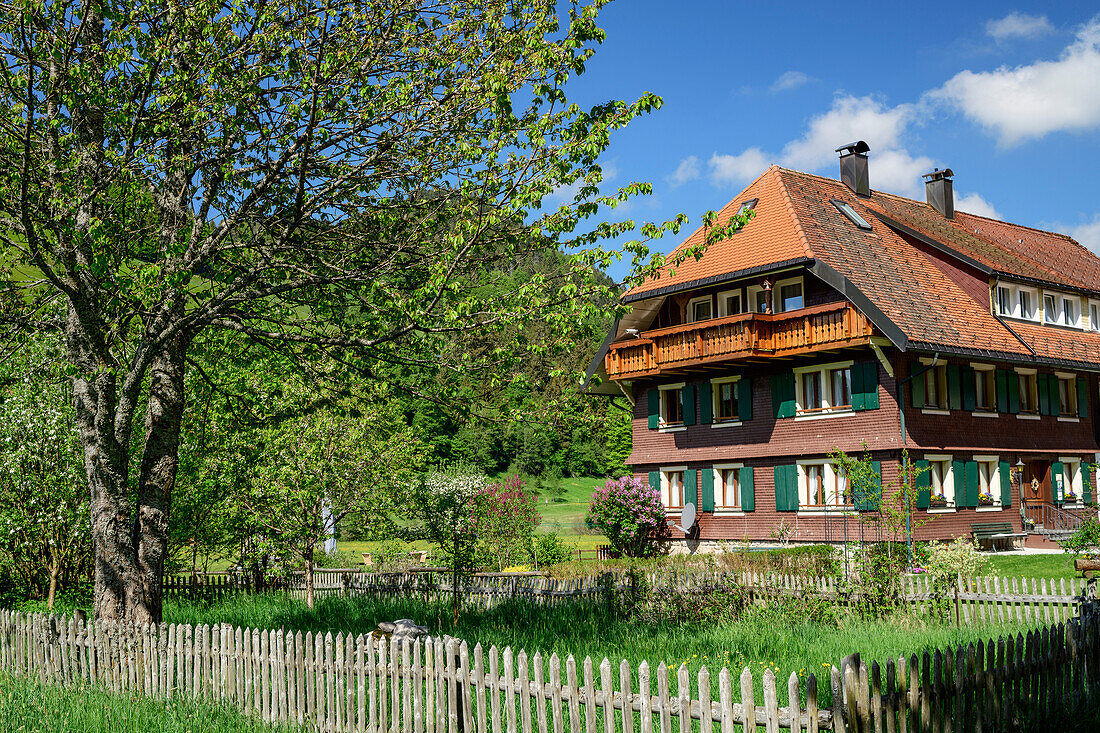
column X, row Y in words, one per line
column 1008, row 96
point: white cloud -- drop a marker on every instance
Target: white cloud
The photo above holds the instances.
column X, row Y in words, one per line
column 789, row 80
column 849, row 119
column 1018, row 25
column 1031, row 101
column 973, row 203
column 688, row 170
column 1087, row 234
column 741, row 168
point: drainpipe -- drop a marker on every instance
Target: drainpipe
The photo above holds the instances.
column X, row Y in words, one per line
column 901, row 418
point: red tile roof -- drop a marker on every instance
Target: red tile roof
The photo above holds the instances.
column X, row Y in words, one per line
column 795, row 220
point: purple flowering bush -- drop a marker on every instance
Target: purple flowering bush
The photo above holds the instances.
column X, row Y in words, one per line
column 630, row 513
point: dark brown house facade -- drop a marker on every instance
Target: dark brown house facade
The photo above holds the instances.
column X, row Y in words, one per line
column 842, row 318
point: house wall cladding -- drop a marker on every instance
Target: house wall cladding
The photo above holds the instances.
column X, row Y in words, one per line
column 764, row 434
column 961, row 428
column 766, row 441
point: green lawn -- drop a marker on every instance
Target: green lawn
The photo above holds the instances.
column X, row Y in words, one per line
column 784, row 642
column 1033, row 566
column 28, row 706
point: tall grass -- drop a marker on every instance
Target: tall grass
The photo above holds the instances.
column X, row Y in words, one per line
column 28, row 706
column 759, row 639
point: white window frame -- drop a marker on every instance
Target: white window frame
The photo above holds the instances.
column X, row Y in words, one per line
column 666, row 486
column 947, row 481
column 720, row 490
column 717, row 422
column 777, row 290
column 1036, row 296
column 1052, row 318
column 1033, row 413
column 1092, row 322
column 827, row 409
column 830, row 476
column 750, row 298
column 992, row 480
column 661, row 423
column 935, row 373
column 722, row 312
column 989, row 370
column 1073, row 479
column 1075, row 301
column 1013, row 309
column 1071, row 392
column 691, row 308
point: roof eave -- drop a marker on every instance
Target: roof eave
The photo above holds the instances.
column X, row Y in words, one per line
column 716, row 279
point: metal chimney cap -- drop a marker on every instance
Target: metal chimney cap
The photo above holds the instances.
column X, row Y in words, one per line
column 937, row 174
column 857, row 147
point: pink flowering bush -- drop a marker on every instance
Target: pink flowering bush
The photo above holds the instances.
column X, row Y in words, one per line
column 505, row 518
column 630, row 513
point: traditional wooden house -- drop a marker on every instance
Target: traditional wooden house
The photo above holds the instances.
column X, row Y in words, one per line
column 840, row 317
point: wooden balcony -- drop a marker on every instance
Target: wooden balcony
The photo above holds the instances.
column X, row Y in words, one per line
column 744, row 336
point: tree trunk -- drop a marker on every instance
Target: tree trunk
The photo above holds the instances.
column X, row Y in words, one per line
column 55, row 570
column 159, row 463
column 309, row 578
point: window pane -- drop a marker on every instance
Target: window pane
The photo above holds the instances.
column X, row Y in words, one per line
column 733, row 304
column 761, row 302
column 700, row 310
column 840, row 380
column 790, row 296
column 1050, row 309
column 1094, row 317
column 727, row 401
column 811, row 390
column 1025, row 305
column 671, row 399
column 1069, row 312
column 730, row 493
column 1004, row 298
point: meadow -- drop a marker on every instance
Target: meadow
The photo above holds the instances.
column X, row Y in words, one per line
column 27, row 706
column 786, row 640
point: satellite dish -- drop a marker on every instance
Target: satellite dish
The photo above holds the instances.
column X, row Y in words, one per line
column 687, row 517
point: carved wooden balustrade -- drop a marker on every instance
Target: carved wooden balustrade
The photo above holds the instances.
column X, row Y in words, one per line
column 743, row 336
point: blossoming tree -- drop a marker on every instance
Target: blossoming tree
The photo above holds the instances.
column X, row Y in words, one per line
column 630, row 513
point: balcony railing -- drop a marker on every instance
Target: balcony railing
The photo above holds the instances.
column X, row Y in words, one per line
column 743, row 336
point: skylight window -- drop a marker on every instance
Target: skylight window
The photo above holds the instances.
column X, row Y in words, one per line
column 852, row 214
column 747, row 206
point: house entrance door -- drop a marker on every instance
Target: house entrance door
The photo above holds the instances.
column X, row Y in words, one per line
column 1035, row 484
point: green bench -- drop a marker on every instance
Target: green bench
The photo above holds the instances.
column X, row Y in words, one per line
column 994, row 531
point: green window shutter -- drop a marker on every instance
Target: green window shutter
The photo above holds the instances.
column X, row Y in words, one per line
column 1005, row 472
column 1000, row 377
column 786, row 488
column 924, row 484
column 706, row 404
column 1057, row 481
column 869, row 501
column 958, row 483
column 691, row 487
column 707, row 502
column 954, row 388
column 687, row 403
column 655, row 480
column 748, row 491
column 858, row 396
column 744, row 399
column 1042, row 380
column 654, row 408
column 1055, row 400
column 917, row 385
column 1013, row 392
column 969, row 388
column 1082, row 398
column 870, row 385
column 783, row 394
column 971, row 483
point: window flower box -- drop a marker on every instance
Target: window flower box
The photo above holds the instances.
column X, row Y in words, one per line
column 985, row 499
column 937, row 502
column 1070, row 498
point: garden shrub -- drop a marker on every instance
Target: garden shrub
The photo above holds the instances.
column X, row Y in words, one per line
column 630, row 514
column 551, row 549
column 504, row 518
column 1086, row 539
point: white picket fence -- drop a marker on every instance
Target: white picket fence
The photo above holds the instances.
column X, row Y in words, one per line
column 981, row 599
column 365, row 683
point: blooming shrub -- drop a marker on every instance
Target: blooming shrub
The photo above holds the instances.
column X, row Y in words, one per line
column 505, row 518
column 630, row 513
